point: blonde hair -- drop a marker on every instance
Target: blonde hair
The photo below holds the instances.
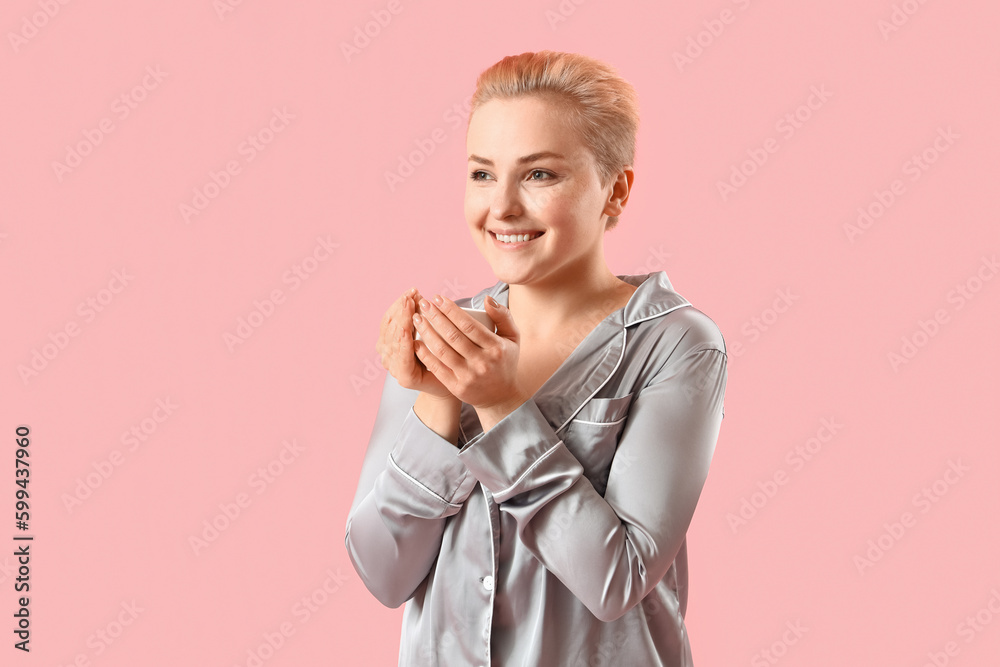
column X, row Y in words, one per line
column 601, row 106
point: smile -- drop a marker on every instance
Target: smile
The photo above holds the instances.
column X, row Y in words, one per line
column 514, row 240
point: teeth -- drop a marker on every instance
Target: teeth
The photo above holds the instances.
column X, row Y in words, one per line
column 515, row 238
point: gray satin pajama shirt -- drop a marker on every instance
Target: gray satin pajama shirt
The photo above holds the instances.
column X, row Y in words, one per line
column 558, row 538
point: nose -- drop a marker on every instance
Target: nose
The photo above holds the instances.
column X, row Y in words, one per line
column 506, row 201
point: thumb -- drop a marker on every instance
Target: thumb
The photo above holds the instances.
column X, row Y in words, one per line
column 501, row 318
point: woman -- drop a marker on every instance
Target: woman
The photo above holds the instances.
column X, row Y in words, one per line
column 527, row 492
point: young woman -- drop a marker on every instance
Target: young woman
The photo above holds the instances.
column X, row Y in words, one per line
column 527, row 492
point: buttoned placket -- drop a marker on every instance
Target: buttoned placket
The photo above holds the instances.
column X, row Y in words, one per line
column 565, row 412
column 489, row 581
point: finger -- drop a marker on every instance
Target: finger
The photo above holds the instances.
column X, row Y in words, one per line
column 433, row 364
column 408, row 341
column 399, row 326
column 433, row 353
column 425, row 367
column 387, row 326
column 502, row 319
column 478, row 335
column 397, row 319
column 441, row 336
column 405, row 359
column 406, row 366
column 392, row 312
column 406, row 317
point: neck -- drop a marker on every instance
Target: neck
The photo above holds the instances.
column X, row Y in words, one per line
column 541, row 311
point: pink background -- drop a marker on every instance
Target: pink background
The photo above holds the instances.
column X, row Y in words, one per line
column 308, row 376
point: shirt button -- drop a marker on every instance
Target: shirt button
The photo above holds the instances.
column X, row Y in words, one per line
column 488, row 582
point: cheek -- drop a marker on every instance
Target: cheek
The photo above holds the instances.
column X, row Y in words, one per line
column 477, row 198
column 548, row 202
column 472, row 208
column 590, row 205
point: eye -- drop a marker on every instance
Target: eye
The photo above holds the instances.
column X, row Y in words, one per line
column 475, row 175
column 539, row 171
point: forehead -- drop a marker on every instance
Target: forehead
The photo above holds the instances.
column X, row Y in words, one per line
column 507, row 129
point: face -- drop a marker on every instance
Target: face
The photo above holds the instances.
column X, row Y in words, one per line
column 530, row 174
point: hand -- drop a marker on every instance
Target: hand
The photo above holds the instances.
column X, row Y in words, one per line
column 474, row 364
column 395, row 348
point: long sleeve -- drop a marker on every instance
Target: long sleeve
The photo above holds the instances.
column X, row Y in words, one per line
column 611, row 550
column 411, row 481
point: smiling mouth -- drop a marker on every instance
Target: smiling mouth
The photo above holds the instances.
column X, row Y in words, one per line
column 515, row 238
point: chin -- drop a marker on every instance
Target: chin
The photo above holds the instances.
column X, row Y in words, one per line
column 511, row 277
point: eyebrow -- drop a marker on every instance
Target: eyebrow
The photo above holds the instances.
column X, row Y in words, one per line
column 522, row 160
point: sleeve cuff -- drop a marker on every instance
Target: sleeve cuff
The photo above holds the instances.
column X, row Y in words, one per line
column 519, row 448
column 430, row 462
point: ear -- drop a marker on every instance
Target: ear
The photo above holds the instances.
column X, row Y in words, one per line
column 620, row 189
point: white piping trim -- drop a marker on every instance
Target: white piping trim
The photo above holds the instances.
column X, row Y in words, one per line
column 617, row 421
column 417, row 482
column 524, row 474
column 680, row 305
column 494, row 571
column 618, row 363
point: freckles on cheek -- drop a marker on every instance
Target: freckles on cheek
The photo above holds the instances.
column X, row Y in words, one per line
column 546, row 201
column 553, row 205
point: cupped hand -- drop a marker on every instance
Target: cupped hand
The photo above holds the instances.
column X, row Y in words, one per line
column 395, row 347
column 477, row 366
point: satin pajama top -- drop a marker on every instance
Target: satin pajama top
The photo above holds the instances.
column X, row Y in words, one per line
column 558, row 538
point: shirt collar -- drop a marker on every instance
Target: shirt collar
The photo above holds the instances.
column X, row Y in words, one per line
column 595, row 359
column 654, row 296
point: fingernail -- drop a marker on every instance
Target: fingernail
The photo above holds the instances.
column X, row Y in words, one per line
column 417, row 319
column 438, row 300
column 493, row 302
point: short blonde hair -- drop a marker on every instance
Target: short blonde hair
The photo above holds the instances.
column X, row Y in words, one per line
column 601, row 106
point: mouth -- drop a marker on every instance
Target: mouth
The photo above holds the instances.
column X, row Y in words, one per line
column 512, row 240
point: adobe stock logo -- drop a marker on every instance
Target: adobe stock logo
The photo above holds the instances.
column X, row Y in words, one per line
column 446, row 640
column 900, row 16
column 295, row 276
column 563, row 11
column 779, row 648
column 914, row 168
column 797, row 457
column 786, row 126
column 104, row 637
column 38, row 20
column 704, row 39
column 303, row 610
column 254, row 144
column 924, row 500
column 104, row 468
column 968, row 629
column 225, row 7
column 59, row 340
column 122, row 108
column 406, row 166
column 362, row 38
column 927, row 329
column 757, row 325
column 231, row 511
